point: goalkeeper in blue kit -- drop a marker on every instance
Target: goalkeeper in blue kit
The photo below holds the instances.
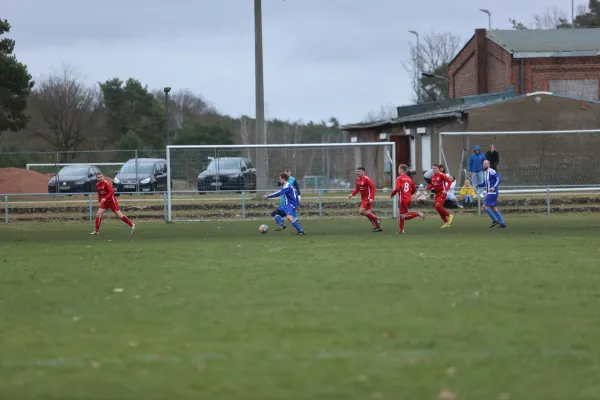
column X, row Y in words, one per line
column 288, row 210
column 491, row 181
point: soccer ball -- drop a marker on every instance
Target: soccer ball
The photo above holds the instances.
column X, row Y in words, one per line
column 263, row 229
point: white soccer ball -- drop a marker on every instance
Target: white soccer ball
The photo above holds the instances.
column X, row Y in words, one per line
column 263, row 229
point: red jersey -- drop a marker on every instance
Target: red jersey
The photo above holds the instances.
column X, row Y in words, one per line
column 366, row 187
column 439, row 182
column 105, row 191
column 406, row 187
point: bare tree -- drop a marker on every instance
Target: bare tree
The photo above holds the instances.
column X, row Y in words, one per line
column 553, row 18
column 389, row 111
column 435, row 52
column 64, row 110
column 185, row 106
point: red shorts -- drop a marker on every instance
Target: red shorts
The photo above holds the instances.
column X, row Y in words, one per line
column 404, row 206
column 440, row 199
column 366, row 205
column 110, row 205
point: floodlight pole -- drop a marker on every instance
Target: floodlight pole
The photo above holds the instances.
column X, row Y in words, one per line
column 260, row 136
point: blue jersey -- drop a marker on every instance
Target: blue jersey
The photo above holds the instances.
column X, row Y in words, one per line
column 491, row 180
column 290, row 197
column 292, row 181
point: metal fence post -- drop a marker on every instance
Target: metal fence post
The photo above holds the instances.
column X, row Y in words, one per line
column 548, row 201
column 137, row 178
column 243, row 205
column 320, row 204
column 165, row 205
column 6, row 209
column 478, row 203
column 91, row 207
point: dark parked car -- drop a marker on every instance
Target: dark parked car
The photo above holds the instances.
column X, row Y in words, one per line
column 228, row 173
column 150, row 174
column 74, row 179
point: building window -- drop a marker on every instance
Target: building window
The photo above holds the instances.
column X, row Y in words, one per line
column 586, row 89
column 425, row 152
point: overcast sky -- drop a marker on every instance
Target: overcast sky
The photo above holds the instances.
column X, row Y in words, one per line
column 323, row 58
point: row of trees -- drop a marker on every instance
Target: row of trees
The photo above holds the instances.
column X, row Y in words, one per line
column 63, row 113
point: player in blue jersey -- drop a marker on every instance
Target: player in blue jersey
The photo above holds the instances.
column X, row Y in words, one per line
column 290, row 198
column 294, row 183
column 491, row 181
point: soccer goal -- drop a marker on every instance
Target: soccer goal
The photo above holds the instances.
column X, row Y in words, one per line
column 207, row 182
column 530, row 160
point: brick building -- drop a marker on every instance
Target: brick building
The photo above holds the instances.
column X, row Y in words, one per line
column 562, row 61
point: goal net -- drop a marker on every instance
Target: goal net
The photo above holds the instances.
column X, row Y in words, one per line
column 529, row 159
column 229, row 182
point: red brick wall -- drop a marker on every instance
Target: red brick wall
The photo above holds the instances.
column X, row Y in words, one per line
column 498, row 70
column 461, row 72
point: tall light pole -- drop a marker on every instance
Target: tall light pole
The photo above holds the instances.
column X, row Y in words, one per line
column 167, row 90
column 483, row 10
column 261, row 153
column 418, row 71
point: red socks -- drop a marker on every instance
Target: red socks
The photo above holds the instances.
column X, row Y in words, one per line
column 407, row 217
column 98, row 222
column 126, row 220
column 443, row 213
column 373, row 218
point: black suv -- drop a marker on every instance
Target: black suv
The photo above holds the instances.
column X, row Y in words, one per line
column 150, row 174
column 227, row 173
column 77, row 178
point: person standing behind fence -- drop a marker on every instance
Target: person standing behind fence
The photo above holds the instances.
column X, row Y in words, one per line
column 476, row 168
column 493, row 157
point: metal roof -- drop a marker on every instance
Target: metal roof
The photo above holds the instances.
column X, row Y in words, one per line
column 552, row 42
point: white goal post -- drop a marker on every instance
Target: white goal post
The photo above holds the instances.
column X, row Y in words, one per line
column 200, row 176
column 530, row 161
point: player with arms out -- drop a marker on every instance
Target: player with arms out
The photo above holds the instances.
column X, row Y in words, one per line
column 491, row 181
column 288, row 210
column 107, row 200
column 366, row 187
column 439, row 183
column 406, row 188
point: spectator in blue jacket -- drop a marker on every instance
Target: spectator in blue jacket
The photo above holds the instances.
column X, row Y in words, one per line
column 476, row 168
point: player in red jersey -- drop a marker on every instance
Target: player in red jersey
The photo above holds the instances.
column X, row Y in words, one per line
column 406, row 188
column 440, row 183
column 107, row 200
column 366, row 187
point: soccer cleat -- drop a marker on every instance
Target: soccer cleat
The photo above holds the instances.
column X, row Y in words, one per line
column 301, row 233
column 494, row 224
column 280, row 227
column 132, row 230
column 446, row 225
column 400, row 233
column 377, row 229
column 95, row 233
column 450, row 218
column 421, row 215
column 502, row 225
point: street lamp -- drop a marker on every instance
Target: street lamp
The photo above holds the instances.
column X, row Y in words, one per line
column 483, row 10
column 430, row 75
column 418, row 71
column 167, row 90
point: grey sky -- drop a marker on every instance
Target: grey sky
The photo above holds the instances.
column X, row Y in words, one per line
column 323, row 58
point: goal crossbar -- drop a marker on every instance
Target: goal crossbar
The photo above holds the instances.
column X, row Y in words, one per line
column 520, row 132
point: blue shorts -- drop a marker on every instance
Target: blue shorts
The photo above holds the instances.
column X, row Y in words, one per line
column 491, row 200
column 287, row 210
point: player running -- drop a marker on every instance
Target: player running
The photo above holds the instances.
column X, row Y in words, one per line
column 291, row 204
column 491, row 181
column 439, row 183
column 294, row 183
column 366, row 187
column 107, row 200
column 406, row 188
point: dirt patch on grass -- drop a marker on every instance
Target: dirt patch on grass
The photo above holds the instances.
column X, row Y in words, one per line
column 18, row 180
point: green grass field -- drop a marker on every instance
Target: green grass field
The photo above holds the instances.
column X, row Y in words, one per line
column 218, row 311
